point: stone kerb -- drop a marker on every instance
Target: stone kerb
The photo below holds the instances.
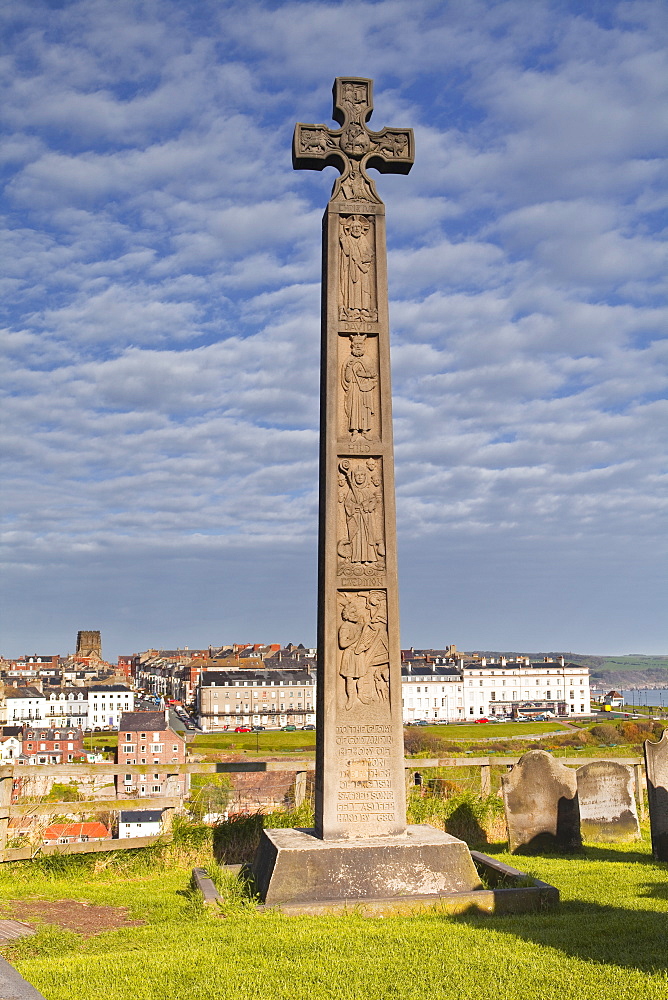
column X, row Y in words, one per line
column 541, row 804
column 656, row 766
column 607, row 802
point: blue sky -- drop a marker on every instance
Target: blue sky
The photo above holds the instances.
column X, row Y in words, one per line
column 161, row 318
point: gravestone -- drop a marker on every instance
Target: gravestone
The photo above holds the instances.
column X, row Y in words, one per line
column 541, row 803
column 607, row 802
column 656, row 767
column 361, row 845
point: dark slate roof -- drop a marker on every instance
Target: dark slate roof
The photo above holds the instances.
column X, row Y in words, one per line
column 110, row 687
column 257, row 677
column 23, row 692
column 430, row 670
column 141, row 816
column 135, row 722
column 43, row 733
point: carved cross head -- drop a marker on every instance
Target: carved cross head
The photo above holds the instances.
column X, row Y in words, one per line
column 353, row 148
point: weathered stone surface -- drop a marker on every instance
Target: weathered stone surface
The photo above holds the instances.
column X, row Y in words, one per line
column 607, row 802
column 656, row 766
column 359, row 748
column 541, row 804
column 295, row 866
column 202, row 881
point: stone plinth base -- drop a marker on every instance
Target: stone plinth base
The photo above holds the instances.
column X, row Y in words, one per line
column 294, row 866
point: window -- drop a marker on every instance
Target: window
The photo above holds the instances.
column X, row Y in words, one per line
column 155, row 788
column 175, row 748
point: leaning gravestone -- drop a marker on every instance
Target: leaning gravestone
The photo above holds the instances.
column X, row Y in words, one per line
column 540, row 797
column 607, row 802
column 361, row 846
column 656, row 766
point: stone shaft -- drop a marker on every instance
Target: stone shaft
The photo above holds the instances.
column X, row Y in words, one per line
column 360, row 789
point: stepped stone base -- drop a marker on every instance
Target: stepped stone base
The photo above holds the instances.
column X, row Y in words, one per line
column 295, row 866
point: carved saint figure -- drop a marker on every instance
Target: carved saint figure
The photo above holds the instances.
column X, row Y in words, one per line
column 359, row 379
column 354, row 100
column 356, row 186
column 362, row 500
column 365, row 662
column 357, row 262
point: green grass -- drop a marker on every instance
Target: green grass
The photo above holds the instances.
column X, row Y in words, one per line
column 275, row 741
column 608, row 939
column 487, row 730
column 270, row 741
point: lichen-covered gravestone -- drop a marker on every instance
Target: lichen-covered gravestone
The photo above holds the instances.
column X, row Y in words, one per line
column 607, row 802
column 540, row 797
column 656, row 766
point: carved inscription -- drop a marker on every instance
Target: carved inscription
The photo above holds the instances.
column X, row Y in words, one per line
column 361, row 535
column 364, row 664
column 359, row 380
column 357, row 269
column 365, row 791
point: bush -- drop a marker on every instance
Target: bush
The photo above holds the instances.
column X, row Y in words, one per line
column 416, row 743
column 605, row 733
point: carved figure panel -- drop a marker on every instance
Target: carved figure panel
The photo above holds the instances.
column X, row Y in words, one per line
column 357, row 269
column 361, row 528
column 359, row 413
column 364, row 664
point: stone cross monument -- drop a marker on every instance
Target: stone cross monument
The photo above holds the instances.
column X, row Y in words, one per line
column 359, row 771
column 361, row 846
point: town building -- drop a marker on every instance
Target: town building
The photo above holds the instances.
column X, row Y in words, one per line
column 251, row 697
column 66, row 707
column 493, row 687
column 22, row 704
column 50, row 746
column 75, row 833
column 139, row 823
column 10, row 746
column 147, row 738
column 107, row 703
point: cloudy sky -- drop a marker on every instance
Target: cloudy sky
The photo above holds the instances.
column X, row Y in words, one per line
column 161, row 301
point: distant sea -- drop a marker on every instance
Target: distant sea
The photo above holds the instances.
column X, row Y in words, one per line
column 646, row 696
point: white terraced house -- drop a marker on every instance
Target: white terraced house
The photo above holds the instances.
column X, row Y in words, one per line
column 486, row 688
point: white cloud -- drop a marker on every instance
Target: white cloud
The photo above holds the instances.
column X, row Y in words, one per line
column 162, row 310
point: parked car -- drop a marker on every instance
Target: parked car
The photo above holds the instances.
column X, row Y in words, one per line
column 242, row 729
column 481, row 720
column 288, row 729
column 308, row 727
column 420, row 722
column 258, row 729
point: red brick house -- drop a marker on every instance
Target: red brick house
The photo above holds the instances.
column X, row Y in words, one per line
column 51, row 746
column 146, row 738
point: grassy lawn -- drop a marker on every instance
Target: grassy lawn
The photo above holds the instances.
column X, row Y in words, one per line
column 608, row 939
column 486, row 730
column 271, row 741
column 275, row 741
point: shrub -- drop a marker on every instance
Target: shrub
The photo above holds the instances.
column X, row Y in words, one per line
column 416, row 743
column 605, row 733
